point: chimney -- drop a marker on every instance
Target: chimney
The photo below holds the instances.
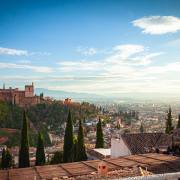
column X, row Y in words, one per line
column 102, row 169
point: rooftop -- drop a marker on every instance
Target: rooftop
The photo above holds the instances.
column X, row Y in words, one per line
column 118, row 167
column 140, row 143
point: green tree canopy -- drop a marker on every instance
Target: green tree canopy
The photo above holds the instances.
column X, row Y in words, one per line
column 99, row 135
column 169, row 126
column 57, row 158
column 6, row 161
column 68, row 140
column 75, row 149
column 40, row 154
column 24, row 148
column 3, row 159
column 81, row 151
column 178, row 125
column 141, row 128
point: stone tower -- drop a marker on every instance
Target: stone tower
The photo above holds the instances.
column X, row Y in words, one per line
column 29, row 90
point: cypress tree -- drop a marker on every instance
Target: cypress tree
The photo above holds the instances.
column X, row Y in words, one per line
column 75, row 149
column 57, row 158
column 40, row 154
column 178, row 125
column 81, row 151
column 8, row 159
column 24, row 148
column 169, row 126
column 99, row 135
column 3, row 159
column 141, row 128
column 68, row 140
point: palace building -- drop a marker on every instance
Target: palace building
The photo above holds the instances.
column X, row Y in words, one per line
column 22, row 98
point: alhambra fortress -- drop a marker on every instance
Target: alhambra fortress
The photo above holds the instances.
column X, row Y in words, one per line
column 22, row 98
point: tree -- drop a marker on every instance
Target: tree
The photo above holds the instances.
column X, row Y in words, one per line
column 99, row 135
column 41, row 96
column 81, row 150
column 169, row 126
column 178, row 125
column 57, row 158
column 75, row 149
column 68, row 140
column 3, row 159
column 8, row 159
column 141, row 128
column 40, row 154
column 24, row 148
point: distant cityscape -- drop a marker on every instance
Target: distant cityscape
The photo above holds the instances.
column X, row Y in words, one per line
column 127, row 129
column 89, row 89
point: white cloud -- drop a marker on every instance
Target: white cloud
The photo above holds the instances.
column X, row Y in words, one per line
column 24, row 61
column 13, row 52
column 87, row 51
column 158, row 24
column 69, row 66
column 18, row 52
column 41, row 69
column 127, row 50
column 38, row 53
column 124, row 61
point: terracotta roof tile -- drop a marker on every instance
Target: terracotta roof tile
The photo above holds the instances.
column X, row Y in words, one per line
column 118, row 167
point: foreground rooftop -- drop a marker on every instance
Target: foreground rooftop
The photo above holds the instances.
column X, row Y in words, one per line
column 118, row 167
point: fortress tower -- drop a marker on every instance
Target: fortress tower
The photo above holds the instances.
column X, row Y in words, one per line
column 29, row 90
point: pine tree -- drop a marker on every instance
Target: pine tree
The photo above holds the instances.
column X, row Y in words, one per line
column 68, row 140
column 169, row 126
column 3, row 159
column 178, row 125
column 81, row 150
column 40, row 154
column 24, row 148
column 99, row 135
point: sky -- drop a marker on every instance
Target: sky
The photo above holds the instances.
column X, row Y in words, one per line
column 94, row 46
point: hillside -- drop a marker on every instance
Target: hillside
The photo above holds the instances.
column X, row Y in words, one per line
column 42, row 117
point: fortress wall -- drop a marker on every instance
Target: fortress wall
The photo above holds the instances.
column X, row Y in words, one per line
column 19, row 97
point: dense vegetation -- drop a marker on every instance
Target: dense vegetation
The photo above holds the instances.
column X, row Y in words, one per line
column 48, row 116
column 53, row 115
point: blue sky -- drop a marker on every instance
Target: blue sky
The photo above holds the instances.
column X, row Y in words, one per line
column 96, row 46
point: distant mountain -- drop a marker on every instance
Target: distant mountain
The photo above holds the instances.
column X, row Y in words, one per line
column 109, row 98
column 58, row 94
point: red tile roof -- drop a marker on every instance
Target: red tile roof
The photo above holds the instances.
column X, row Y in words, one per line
column 120, row 167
